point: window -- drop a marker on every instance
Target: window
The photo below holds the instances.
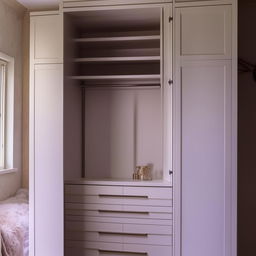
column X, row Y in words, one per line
column 6, row 114
column 3, row 82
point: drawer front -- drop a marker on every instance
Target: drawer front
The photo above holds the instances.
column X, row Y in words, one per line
column 93, row 252
column 111, row 237
column 148, row 250
column 93, row 227
column 118, row 220
column 147, row 229
column 105, row 208
column 112, row 249
column 118, row 228
column 147, row 209
column 118, row 214
column 149, row 192
column 112, row 199
column 93, row 207
column 93, row 190
column 101, row 246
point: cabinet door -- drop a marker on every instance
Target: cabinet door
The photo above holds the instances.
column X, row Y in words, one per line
column 204, row 32
column 206, row 158
column 46, row 39
column 47, row 169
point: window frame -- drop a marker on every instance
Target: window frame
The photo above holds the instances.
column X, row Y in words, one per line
column 4, row 74
column 9, row 105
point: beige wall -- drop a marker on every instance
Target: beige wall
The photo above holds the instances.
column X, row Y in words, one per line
column 11, row 26
column 247, row 134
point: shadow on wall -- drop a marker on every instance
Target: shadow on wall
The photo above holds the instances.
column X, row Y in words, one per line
column 247, row 132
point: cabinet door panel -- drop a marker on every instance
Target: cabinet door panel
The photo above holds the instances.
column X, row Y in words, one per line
column 46, row 39
column 206, row 161
column 204, row 32
column 48, row 163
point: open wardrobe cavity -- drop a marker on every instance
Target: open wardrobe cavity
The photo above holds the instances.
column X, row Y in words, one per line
column 132, row 125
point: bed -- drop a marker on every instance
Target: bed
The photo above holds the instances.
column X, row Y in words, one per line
column 14, row 223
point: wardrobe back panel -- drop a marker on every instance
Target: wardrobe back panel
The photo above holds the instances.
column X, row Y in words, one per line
column 123, row 129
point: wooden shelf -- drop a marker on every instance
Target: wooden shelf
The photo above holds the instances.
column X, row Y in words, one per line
column 119, row 59
column 117, row 39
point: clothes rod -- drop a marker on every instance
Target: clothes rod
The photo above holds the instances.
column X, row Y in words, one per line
column 121, row 87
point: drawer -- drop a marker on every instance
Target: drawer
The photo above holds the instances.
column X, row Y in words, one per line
column 118, row 220
column 93, row 190
column 147, row 229
column 93, row 207
column 121, row 214
column 126, row 191
column 149, row 192
column 94, row 236
column 93, row 226
column 111, row 249
column 93, row 252
column 119, row 238
column 101, row 246
column 112, row 199
column 147, row 209
column 148, row 239
column 149, row 250
column 118, row 228
column 136, row 209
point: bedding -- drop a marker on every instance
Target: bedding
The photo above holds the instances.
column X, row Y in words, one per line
column 14, row 223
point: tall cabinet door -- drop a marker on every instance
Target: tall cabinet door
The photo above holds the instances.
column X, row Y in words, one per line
column 204, row 89
column 46, row 138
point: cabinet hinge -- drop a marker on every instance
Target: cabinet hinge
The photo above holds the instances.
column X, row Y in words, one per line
column 170, row 18
column 170, row 172
column 170, row 82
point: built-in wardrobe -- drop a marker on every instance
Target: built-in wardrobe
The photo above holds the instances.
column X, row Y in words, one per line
column 133, row 128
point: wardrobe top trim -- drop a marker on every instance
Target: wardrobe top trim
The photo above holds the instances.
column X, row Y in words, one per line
column 44, row 13
column 203, row 3
column 115, row 7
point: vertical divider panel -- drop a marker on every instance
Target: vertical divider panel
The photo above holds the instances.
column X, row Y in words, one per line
column 167, row 91
column 46, row 134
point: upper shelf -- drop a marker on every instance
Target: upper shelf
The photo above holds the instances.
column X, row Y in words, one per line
column 117, row 39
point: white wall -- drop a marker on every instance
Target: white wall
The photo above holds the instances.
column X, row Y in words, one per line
column 11, row 26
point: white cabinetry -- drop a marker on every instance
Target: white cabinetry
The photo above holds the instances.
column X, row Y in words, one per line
column 204, row 116
column 127, row 101
column 46, row 135
column 46, row 38
column 118, row 220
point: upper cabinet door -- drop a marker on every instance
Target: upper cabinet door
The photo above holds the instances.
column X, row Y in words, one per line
column 46, row 39
column 204, row 32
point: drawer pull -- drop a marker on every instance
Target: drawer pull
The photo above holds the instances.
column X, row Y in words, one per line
column 103, row 252
column 122, row 234
column 124, row 212
column 122, row 196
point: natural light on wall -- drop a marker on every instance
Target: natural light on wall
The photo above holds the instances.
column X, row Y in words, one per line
column 6, row 113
